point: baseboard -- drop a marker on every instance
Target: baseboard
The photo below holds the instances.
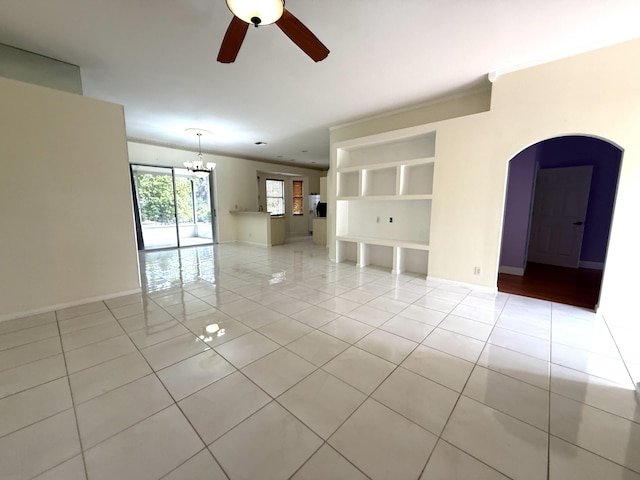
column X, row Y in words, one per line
column 511, row 270
column 473, row 286
column 253, row 244
column 60, row 306
column 592, row 265
column 520, row 271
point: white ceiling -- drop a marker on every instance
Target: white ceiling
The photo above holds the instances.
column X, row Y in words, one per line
column 158, row 59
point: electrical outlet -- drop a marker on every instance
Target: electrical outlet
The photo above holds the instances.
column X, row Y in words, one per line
column 476, row 270
column 390, row 219
column 377, row 219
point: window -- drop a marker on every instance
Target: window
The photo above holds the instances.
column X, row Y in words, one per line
column 275, row 197
column 297, row 201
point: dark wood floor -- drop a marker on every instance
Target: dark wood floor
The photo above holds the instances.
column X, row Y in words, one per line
column 571, row 286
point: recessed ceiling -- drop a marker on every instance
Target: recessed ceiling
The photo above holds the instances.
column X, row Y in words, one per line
column 158, row 59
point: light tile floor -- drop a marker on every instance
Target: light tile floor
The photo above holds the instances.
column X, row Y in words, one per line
column 243, row 362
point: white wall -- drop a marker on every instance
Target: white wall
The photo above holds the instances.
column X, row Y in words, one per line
column 410, row 220
column 33, row 68
column 68, row 233
column 294, row 224
column 236, row 182
column 591, row 93
column 596, row 94
column 453, row 107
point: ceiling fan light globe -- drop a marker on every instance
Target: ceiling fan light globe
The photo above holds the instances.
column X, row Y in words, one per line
column 267, row 11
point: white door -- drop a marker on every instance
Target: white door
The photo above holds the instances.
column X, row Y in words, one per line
column 559, row 211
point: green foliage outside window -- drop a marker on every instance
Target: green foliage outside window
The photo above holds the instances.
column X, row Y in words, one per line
column 155, row 193
column 203, row 203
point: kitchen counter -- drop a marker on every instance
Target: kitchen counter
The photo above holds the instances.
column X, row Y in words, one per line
column 259, row 228
column 320, row 231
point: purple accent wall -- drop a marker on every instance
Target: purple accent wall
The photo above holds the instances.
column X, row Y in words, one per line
column 515, row 231
column 570, row 151
column 574, row 151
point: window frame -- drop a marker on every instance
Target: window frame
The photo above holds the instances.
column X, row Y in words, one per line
column 282, row 197
column 294, row 197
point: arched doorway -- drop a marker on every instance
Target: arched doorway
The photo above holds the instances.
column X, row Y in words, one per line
column 540, row 276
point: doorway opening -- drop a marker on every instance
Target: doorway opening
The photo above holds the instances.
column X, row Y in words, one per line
column 555, row 233
column 173, row 207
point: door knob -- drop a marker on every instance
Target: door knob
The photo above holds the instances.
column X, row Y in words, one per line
column 578, row 223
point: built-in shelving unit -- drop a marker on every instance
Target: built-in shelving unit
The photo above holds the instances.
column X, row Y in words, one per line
column 383, row 201
column 349, row 183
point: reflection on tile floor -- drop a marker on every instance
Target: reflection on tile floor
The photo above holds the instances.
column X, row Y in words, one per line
column 243, row 362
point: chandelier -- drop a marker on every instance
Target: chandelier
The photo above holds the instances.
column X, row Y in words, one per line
column 198, row 167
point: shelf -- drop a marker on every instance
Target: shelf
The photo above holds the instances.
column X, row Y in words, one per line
column 418, row 196
column 347, row 251
column 398, row 220
column 384, row 200
column 383, row 242
column 379, row 182
column 383, row 148
column 377, row 255
column 392, row 198
column 416, row 179
column 349, row 184
column 412, row 260
column 396, row 163
column 398, row 257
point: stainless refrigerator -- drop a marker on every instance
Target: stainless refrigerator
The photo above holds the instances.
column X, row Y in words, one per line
column 314, row 199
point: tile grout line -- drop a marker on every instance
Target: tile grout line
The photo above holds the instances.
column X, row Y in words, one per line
column 273, row 399
column 586, row 404
column 175, row 403
column 73, row 402
column 153, row 372
column 613, row 338
column 460, row 394
column 369, row 396
column 350, row 344
column 325, row 442
column 419, row 343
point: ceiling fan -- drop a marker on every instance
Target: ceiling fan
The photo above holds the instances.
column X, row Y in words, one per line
column 266, row 12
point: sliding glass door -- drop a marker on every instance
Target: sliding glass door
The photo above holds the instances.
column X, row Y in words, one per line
column 194, row 208
column 174, row 207
column 156, row 204
column 203, row 217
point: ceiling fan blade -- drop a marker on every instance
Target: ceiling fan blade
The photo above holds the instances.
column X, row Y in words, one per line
column 302, row 36
column 232, row 40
